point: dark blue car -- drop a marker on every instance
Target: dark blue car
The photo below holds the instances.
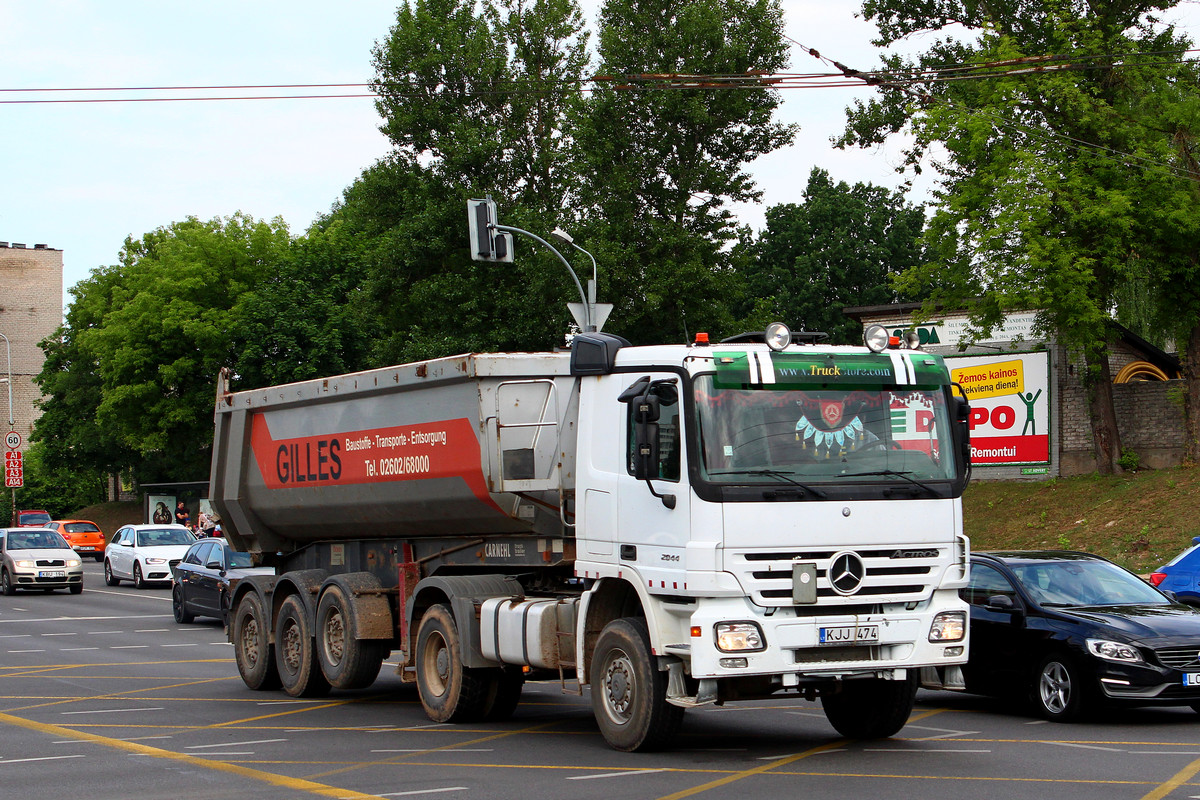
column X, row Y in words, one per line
column 1181, row 576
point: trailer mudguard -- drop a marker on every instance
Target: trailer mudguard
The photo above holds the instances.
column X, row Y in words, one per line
column 368, row 604
column 464, row 593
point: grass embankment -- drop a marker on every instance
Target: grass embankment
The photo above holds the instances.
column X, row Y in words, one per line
column 1140, row 519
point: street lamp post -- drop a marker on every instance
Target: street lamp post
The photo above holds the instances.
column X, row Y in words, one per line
column 11, row 424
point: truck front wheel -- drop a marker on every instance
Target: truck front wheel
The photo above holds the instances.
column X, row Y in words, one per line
column 252, row 648
column 295, row 655
column 449, row 691
column 871, row 708
column 347, row 661
column 629, row 693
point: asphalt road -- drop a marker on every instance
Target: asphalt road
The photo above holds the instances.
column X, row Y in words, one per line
column 104, row 697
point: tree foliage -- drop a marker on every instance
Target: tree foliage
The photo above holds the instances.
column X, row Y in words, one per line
column 840, row 247
column 1044, row 192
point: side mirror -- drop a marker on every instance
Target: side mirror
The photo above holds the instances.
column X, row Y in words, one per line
column 1000, row 602
column 645, row 400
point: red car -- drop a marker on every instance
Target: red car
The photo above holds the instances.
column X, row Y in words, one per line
column 32, row 518
column 84, row 536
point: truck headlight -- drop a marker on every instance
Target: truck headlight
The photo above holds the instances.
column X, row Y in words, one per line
column 948, row 626
column 733, row 637
column 1114, row 651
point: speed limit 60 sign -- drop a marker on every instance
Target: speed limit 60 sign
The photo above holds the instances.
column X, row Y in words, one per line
column 12, row 440
column 14, row 476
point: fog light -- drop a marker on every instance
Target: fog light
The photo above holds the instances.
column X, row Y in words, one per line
column 952, row 652
column 735, row 636
column 948, row 626
column 876, row 337
column 778, row 336
column 733, row 663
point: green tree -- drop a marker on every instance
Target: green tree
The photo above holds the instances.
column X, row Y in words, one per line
column 170, row 324
column 663, row 158
column 1043, row 201
column 475, row 103
column 841, row 247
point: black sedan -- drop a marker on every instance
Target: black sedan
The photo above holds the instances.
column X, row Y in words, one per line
column 201, row 581
column 1076, row 631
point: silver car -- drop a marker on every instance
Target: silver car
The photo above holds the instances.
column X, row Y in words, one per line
column 38, row 558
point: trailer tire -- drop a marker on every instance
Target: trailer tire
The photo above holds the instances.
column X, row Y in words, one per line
column 346, row 661
column 504, row 687
column 449, row 691
column 629, row 692
column 871, row 708
column 296, row 652
column 252, row 648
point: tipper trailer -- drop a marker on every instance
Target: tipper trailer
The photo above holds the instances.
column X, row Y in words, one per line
column 672, row 526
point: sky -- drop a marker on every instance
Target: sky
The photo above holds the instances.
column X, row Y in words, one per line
column 81, row 177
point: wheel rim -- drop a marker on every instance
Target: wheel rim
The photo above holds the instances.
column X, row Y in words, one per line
column 177, row 603
column 291, row 647
column 436, row 663
column 334, row 637
column 1055, row 687
column 617, row 686
column 107, row 571
column 137, row 575
column 5, row 582
column 248, row 642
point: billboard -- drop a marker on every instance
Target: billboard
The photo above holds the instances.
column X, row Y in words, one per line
column 1010, row 406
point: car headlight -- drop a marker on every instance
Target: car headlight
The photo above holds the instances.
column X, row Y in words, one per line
column 73, row 562
column 1114, row 651
column 948, row 626
column 733, row 637
column 156, row 561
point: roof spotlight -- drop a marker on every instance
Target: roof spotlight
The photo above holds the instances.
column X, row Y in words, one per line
column 778, row 336
column 912, row 339
column 876, row 338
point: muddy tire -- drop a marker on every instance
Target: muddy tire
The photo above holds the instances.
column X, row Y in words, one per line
column 346, row 661
column 629, row 692
column 296, row 653
column 449, row 691
column 252, row 648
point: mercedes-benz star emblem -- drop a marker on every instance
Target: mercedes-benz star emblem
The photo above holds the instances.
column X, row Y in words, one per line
column 846, row 573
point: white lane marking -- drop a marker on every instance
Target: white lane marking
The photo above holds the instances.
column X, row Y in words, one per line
column 65, row 618
column 152, row 630
column 189, row 644
column 945, row 732
column 26, row 651
column 231, row 744
column 43, row 758
column 1087, row 746
column 103, row 633
column 16, row 636
column 615, row 774
column 130, row 647
column 426, row 791
column 71, row 633
column 1164, row 753
column 144, row 738
column 1038, row 722
column 77, row 649
column 108, row 710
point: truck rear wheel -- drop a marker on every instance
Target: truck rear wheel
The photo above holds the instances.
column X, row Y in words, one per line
column 347, row 661
column 871, row 708
column 629, row 693
column 295, row 653
column 504, row 687
column 252, row 648
column 449, row 691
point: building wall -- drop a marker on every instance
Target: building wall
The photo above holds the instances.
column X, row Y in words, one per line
column 31, row 286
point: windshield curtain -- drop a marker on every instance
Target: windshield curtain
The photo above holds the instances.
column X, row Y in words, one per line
column 841, row 432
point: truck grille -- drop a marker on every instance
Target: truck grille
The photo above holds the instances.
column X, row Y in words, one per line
column 891, row 575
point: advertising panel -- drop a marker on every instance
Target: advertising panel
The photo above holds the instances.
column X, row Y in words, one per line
column 1010, row 406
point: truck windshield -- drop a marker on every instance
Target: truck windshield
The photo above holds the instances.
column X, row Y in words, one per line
column 823, row 433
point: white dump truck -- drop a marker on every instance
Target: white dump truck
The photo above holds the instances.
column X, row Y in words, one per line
column 671, row 526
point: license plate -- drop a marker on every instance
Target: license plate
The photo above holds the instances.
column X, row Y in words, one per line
column 1191, row 679
column 85, row 547
column 49, row 573
column 851, row 634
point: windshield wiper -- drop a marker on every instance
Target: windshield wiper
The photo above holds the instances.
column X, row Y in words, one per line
column 786, row 476
column 904, row 475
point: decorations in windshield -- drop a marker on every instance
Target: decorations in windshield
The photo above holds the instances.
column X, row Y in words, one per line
column 736, row 369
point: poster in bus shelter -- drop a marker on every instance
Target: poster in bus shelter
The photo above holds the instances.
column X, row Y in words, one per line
column 1010, row 406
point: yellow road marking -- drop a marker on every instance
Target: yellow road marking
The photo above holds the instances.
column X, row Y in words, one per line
column 1178, row 779
column 296, row 784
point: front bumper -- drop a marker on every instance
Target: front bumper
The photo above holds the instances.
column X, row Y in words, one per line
column 36, row 578
column 792, row 644
column 1146, row 684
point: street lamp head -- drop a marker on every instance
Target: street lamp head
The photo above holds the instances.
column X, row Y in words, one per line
column 562, row 236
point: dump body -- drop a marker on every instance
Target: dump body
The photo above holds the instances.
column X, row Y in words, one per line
column 439, row 448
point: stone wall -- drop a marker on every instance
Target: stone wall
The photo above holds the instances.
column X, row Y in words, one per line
column 31, row 287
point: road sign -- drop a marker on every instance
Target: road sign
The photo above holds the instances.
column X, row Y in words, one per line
column 12, row 440
column 14, row 473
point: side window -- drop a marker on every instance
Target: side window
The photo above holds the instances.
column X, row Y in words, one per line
column 669, row 437
column 197, row 555
column 987, row 582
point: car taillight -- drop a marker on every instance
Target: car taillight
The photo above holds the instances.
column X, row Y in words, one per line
column 1157, row 577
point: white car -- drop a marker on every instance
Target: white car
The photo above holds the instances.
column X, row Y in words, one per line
column 38, row 558
column 145, row 554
